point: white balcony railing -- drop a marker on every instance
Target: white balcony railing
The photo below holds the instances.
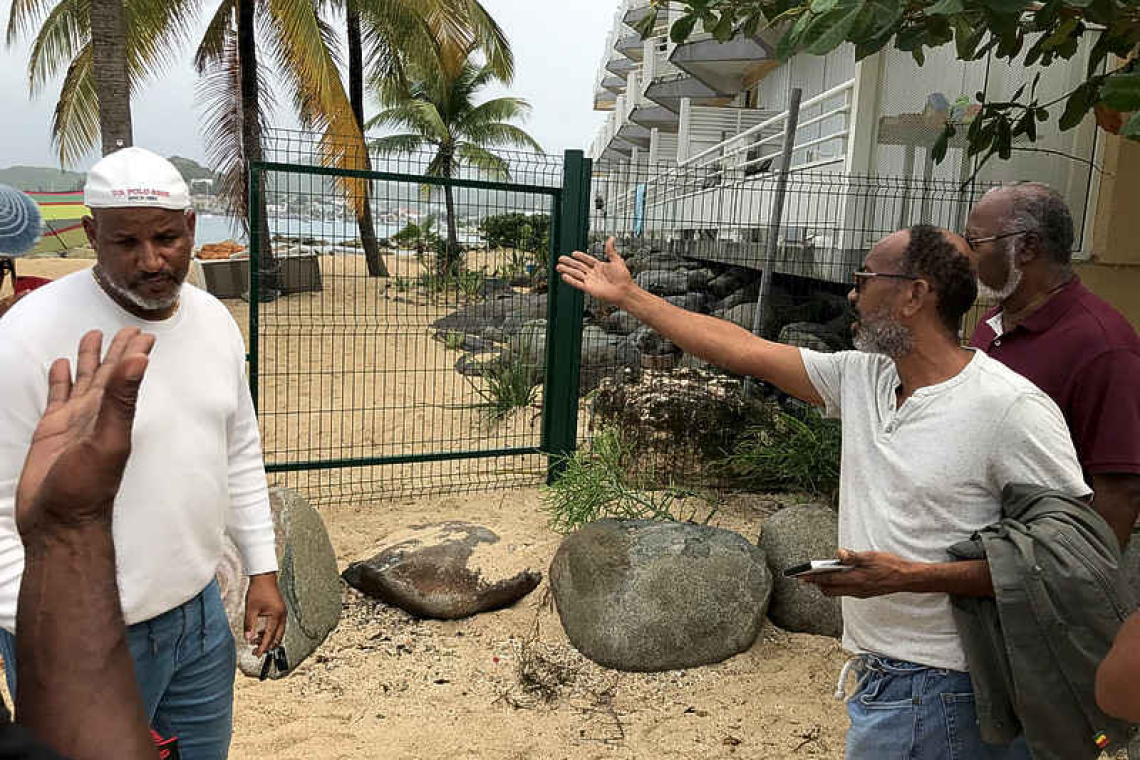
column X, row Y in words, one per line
column 821, row 140
column 821, row 136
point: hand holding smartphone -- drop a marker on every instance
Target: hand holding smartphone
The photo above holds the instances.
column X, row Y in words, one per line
column 815, row 567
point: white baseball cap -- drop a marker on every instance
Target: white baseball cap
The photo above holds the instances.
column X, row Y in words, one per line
column 135, row 177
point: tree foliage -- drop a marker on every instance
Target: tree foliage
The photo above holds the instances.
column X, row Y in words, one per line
column 1019, row 31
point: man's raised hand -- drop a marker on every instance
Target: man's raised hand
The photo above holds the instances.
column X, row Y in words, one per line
column 80, row 447
column 607, row 280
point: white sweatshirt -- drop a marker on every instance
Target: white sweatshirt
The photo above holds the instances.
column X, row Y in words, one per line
column 195, row 471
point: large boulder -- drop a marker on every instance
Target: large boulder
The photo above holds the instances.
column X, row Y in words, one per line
column 307, row 577
column 487, row 316
column 444, row 571
column 645, row 595
column 663, row 282
column 742, row 315
column 805, row 335
column 620, row 322
column 791, row 536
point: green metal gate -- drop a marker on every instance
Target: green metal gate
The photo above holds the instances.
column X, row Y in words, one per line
column 374, row 387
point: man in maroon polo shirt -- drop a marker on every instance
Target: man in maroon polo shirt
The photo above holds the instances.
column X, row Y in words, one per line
column 1072, row 344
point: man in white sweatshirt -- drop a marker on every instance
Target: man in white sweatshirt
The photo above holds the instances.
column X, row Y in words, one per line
column 196, row 471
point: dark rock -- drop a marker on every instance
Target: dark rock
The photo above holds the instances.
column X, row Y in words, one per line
column 649, row 341
column 642, row 595
column 697, row 302
column 791, row 536
column 699, row 279
column 730, row 281
column 307, row 578
column 620, row 323
column 746, row 294
column 444, row 571
column 493, row 313
column 663, row 283
column 805, row 335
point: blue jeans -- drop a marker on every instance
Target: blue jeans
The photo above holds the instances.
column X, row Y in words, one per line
column 905, row 710
column 185, row 661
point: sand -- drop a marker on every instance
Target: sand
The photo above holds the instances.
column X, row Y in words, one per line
column 505, row 684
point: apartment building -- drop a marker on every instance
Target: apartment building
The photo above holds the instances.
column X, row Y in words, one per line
column 691, row 150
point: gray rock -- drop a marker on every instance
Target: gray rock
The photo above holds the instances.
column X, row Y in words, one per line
column 659, row 261
column 620, row 323
column 743, row 315
column 307, row 577
column 530, row 342
column 477, row 365
column 599, row 347
column 730, row 281
column 793, row 535
column 643, row 595
column 649, row 341
column 805, row 335
column 493, row 313
column 746, row 294
column 663, row 283
column 697, row 302
column 444, row 571
column 698, row 279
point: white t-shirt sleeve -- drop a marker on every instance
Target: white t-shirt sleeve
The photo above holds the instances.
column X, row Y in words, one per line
column 1032, row 445
column 826, row 373
column 250, row 523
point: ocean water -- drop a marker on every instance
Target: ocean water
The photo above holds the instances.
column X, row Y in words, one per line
column 213, row 228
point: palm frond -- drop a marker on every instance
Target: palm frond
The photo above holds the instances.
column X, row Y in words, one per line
column 491, row 39
column 494, row 111
column 489, row 165
column 75, row 124
column 65, row 31
column 500, row 135
column 23, row 17
column 391, row 145
column 220, row 96
column 212, row 49
column 305, row 49
column 416, row 115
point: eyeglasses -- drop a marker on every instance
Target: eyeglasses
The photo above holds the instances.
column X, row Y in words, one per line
column 861, row 276
column 974, row 242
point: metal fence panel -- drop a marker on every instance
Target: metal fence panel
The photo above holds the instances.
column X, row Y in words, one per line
column 378, row 387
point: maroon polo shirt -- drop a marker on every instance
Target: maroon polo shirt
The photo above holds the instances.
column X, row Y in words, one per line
column 1086, row 357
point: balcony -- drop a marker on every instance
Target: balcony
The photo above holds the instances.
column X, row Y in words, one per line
column 724, row 67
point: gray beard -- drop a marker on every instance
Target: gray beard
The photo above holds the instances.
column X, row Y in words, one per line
column 1012, row 280
column 882, row 334
column 144, row 303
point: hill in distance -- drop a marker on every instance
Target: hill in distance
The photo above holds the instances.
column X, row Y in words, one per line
column 58, row 180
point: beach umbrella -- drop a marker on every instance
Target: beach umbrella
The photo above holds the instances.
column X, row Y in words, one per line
column 20, row 226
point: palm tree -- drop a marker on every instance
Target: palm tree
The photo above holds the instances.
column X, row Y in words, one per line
column 132, row 39
column 434, row 103
column 109, row 62
column 389, row 32
column 299, row 42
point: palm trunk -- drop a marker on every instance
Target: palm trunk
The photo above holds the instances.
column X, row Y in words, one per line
column 451, row 259
column 251, row 145
column 112, row 83
column 376, row 266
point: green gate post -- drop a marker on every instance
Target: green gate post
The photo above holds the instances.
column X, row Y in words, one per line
column 564, row 318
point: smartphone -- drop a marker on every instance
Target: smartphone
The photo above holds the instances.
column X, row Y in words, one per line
column 817, row 566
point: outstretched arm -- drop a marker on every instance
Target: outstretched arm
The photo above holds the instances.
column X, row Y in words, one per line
column 77, row 684
column 717, row 341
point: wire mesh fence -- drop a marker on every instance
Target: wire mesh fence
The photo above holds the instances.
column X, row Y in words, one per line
column 393, row 368
column 700, row 238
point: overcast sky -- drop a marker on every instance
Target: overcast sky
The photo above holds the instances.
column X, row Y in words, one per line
column 557, row 47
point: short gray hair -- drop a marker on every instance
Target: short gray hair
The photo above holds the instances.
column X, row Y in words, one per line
column 1038, row 208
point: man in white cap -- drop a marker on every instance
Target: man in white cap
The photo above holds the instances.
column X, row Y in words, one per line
column 196, row 472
